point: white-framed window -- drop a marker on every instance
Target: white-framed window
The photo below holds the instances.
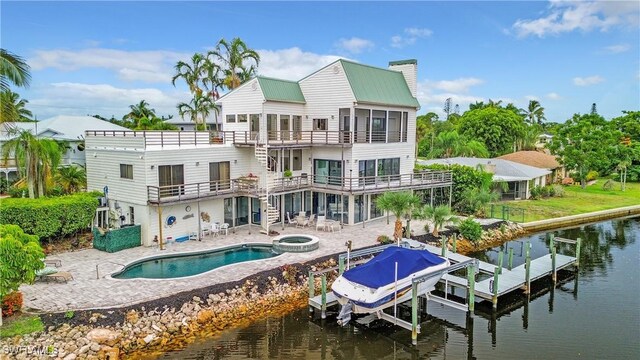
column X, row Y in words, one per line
column 126, row 171
column 320, row 124
column 231, row 118
column 242, row 118
column 296, row 159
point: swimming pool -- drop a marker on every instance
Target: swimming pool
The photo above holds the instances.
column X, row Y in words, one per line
column 189, row 264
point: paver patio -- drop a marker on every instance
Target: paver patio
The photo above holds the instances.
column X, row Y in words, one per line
column 89, row 291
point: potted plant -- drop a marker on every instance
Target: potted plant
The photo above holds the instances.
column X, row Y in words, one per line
column 288, row 173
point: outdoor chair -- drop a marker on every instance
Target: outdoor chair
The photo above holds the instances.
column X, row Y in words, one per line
column 312, row 220
column 49, row 273
column 320, row 224
column 215, row 229
column 301, row 221
column 224, row 227
column 289, row 221
column 206, row 229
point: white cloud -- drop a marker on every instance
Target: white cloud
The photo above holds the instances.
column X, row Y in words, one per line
column 587, row 81
column 433, row 94
column 410, row 37
column 553, row 96
column 292, row 63
column 147, row 66
column 355, row 45
column 566, row 16
column 457, row 85
column 104, row 99
column 618, row 48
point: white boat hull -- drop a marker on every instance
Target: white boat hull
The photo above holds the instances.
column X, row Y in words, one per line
column 367, row 300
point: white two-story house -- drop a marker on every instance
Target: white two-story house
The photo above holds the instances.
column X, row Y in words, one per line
column 327, row 145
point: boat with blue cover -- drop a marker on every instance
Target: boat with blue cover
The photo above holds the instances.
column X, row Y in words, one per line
column 377, row 284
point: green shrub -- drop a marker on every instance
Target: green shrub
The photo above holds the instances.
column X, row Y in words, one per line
column 69, row 314
column 17, row 191
column 550, row 190
column 592, row 175
column 608, row 185
column 470, row 229
column 558, row 191
column 20, row 257
column 536, row 192
column 50, row 217
column 544, row 191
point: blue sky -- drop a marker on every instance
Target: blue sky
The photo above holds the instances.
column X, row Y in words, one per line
column 100, row 57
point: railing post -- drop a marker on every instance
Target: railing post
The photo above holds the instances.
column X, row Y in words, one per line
column 414, row 313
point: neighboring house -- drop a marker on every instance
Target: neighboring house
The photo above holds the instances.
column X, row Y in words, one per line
column 539, row 160
column 520, row 179
column 188, row 125
column 326, row 145
column 64, row 128
column 543, row 141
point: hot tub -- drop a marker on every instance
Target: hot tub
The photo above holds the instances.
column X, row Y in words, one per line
column 295, row 243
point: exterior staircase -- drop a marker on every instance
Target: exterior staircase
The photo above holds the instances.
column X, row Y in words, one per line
column 270, row 180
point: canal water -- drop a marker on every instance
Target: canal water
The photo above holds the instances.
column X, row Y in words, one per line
column 592, row 315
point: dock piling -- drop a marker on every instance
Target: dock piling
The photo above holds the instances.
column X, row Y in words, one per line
column 323, row 315
column 444, row 246
column 527, row 268
column 312, row 288
column 414, row 314
column 340, row 265
column 471, row 286
column 554, row 276
column 578, row 242
column 494, row 299
column 500, row 261
column 510, row 258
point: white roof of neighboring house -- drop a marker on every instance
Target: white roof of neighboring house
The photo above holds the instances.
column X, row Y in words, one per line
column 505, row 170
column 63, row 127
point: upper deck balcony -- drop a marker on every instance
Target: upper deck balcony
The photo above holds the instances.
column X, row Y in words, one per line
column 183, row 139
column 254, row 186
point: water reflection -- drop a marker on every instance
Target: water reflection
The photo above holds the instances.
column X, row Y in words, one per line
column 552, row 322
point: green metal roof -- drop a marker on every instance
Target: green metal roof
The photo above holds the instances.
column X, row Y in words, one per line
column 281, row 90
column 378, row 86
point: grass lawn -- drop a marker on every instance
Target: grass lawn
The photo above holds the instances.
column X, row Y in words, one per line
column 20, row 325
column 579, row 201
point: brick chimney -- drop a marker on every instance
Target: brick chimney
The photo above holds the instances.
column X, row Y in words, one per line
column 409, row 69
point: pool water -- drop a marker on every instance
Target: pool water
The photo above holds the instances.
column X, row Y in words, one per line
column 176, row 266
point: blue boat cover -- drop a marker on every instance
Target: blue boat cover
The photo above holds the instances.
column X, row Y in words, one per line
column 380, row 270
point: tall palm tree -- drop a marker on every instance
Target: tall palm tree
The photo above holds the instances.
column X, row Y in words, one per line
column 449, row 144
column 529, row 137
column 193, row 73
column 13, row 108
column 198, row 109
column 71, row 178
column 438, row 215
column 36, row 159
column 534, row 112
column 13, row 69
column 401, row 204
column 236, row 60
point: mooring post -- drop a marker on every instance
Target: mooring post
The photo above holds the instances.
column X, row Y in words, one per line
column 471, row 287
column 455, row 238
column 414, row 314
column 551, row 240
column 323, row 315
column 553, row 265
column 578, row 242
column 444, row 246
column 527, row 268
column 494, row 299
column 340, row 265
column 500, row 260
column 312, row 289
column 510, row 258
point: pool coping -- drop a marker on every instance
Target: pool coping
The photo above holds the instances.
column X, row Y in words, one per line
column 189, row 253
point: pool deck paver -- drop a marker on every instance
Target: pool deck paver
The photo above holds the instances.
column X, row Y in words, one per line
column 88, row 292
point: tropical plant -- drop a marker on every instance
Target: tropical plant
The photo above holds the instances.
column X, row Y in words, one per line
column 496, row 127
column 529, row 138
column 450, row 144
column 534, row 112
column 464, row 177
column 438, row 215
column 71, row 178
column 470, row 229
column 13, row 108
column 20, row 257
column 401, row 204
column 238, row 62
column 200, row 74
column 13, row 69
column 198, row 109
column 36, row 159
column 139, row 111
column 477, row 199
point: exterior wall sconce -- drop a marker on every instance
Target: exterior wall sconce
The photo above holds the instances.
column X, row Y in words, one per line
column 153, row 167
column 235, row 161
column 197, row 163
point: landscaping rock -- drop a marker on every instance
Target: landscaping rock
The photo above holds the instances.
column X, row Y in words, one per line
column 103, row 336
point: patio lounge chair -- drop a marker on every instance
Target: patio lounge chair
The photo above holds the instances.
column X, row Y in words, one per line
column 320, row 224
column 49, row 273
column 289, row 221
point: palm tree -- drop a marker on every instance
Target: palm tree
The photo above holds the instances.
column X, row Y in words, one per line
column 71, row 178
column 438, row 215
column 449, row 144
column 35, row 159
column 478, row 199
column 198, row 109
column 234, row 58
column 13, row 69
column 193, row 73
column 13, row 108
column 401, row 204
column 139, row 111
column 529, row 137
column 534, row 112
